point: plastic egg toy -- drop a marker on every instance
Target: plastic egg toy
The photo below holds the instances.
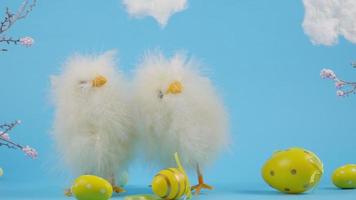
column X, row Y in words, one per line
column 345, row 177
column 172, row 183
column 89, row 187
column 169, row 183
column 293, row 171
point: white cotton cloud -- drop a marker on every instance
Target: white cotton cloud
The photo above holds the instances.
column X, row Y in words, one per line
column 161, row 10
column 326, row 20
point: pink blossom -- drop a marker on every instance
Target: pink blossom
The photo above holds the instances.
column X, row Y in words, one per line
column 340, row 93
column 26, row 41
column 4, row 136
column 30, row 152
column 339, row 84
column 327, row 73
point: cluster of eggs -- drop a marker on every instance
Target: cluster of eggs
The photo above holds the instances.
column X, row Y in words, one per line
column 293, row 171
column 168, row 184
column 297, row 170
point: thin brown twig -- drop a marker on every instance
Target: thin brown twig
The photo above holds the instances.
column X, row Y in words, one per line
column 9, row 40
column 8, row 127
column 7, row 145
column 11, row 18
column 11, row 143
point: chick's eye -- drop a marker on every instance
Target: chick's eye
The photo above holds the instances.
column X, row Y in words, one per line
column 83, row 84
column 160, row 94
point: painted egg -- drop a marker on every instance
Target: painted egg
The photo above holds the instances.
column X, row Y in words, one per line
column 1, row 172
column 293, row 171
column 345, row 177
column 89, row 187
column 170, row 183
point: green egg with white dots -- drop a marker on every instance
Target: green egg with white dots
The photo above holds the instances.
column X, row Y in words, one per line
column 345, row 177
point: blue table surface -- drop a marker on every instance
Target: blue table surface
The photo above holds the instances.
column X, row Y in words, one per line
column 249, row 191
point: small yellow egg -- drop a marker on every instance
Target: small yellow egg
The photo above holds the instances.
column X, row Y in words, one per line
column 345, row 177
column 89, row 187
column 293, row 171
column 170, row 183
column 1, row 172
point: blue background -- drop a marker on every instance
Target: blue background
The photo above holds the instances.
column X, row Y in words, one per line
column 264, row 65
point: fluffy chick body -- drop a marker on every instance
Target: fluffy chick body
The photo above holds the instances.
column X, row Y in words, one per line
column 178, row 110
column 92, row 124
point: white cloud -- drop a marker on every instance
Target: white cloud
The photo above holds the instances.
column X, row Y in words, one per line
column 161, row 10
column 326, row 20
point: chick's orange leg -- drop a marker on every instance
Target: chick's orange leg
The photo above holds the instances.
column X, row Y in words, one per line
column 116, row 188
column 201, row 185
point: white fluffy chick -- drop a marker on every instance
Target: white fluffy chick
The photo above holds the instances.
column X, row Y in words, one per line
column 92, row 122
column 178, row 110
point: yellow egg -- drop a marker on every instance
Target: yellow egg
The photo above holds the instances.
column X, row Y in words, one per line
column 170, row 184
column 345, row 177
column 293, row 171
column 1, row 172
column 89, row 187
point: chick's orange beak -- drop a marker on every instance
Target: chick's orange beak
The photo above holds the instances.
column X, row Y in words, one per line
column 175, row 87
column 99, row 81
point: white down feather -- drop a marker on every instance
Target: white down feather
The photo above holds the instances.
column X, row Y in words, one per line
column 193, row 123
column 92, row 125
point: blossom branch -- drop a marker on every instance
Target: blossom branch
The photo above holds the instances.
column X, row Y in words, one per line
column 345, row 88
column 9, row 40
column 7, row 145
column 8, row 127
column 11, row 18
column 6, row 141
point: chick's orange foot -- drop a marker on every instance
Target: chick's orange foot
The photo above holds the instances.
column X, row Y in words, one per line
column 201, row 184
column 68, row 192
column 197, row 188
column 118, row 189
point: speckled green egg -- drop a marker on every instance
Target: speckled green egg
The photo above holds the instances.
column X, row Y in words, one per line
column 345, row 177
column 293, row 171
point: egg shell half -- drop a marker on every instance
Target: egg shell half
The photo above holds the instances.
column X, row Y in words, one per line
column 89, row 187
column 345, row 177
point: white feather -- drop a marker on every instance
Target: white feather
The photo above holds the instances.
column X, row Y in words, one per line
column 92, row 125
column 193, row 123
